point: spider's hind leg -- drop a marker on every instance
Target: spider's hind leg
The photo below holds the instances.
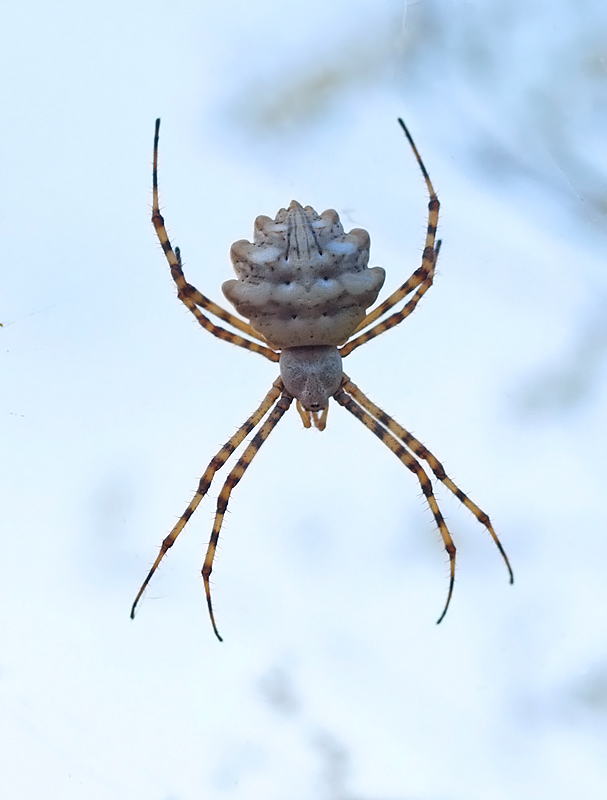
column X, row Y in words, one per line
column 233, row 478
column 356, row 409
column 216, row 464
column 435, row 465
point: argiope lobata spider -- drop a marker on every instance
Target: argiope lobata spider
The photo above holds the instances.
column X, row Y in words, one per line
column 304, row 285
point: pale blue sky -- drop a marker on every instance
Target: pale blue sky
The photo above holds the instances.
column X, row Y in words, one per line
column 333, row 681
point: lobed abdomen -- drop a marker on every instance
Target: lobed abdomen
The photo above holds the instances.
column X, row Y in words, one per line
column 303, row 281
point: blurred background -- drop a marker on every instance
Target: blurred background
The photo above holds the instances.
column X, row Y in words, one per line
column 333, row 682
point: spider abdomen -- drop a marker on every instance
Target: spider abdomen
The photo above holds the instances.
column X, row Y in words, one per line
column 303, row 281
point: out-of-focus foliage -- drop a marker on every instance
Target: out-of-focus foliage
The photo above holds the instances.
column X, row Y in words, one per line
column 517, row 90
column 575, row 378
column 521, row 86
column 332, row 760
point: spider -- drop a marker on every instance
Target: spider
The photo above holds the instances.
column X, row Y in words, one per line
column 305, row 287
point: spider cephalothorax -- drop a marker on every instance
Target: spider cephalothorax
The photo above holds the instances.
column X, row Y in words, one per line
column 305, row 287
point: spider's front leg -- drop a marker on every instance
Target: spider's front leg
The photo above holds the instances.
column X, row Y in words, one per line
column 189, row 295
column 421, row 279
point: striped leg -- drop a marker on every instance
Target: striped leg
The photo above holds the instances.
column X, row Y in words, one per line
column 421, row 278
column 414, row 466
column 399, row 316
column 188, row 294
column 421, row 452
column 205, row 482
column 232, row 480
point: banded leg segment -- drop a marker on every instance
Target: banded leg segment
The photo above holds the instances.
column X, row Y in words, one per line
column 422, row 277
column 191, row 298
column 197, row 297
column 188, row 294
column 399, row 316
column 414, row 466
column 435, row 465
column 232, row 480
column 216, row 464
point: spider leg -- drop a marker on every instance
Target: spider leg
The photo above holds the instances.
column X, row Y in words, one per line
column 231, row 481
column 188, row 294
column 192, row 298
column 422, row 452
column 414, row 466
column 422, row 277
column 216, row 464
column 399, row 316
column 202, row 300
